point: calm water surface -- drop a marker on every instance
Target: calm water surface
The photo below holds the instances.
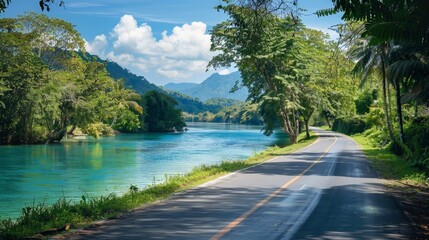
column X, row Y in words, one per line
column 43, row 173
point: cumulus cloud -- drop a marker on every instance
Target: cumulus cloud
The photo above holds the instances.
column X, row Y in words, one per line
column 97, row 46
column 180, row 54
column 129, row 37
column 224, row 72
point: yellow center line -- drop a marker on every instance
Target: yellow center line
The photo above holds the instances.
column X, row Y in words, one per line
column 237, row 221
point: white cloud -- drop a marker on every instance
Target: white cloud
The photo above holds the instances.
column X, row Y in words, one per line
column 182, row 54
column 97, row 46
column 132, row 38
column 224, row 72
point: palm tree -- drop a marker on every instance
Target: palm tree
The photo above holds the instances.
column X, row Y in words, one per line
column 403, row 22
column 373, row 58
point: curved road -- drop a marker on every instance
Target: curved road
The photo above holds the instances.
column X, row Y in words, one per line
column 325, row 191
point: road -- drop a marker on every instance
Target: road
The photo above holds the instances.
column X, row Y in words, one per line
column 325, row 191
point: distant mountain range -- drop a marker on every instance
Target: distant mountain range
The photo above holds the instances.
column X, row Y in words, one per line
column 180, row 87
column 141, row 85
column 191, row 97
column 215, row 86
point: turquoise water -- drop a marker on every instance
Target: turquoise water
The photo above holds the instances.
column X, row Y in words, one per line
column 43, row 173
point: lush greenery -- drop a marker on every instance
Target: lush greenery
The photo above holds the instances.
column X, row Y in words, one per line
column 390, row 47
column 375, row 77
column 49, row 87
column 283, row 64
column 162, row 114
column 40, row 217
column 390, row 166
column 225, row 102
column 244, row 113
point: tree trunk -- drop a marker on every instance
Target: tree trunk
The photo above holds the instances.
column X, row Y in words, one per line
column 307, row 130
column 56, row 136
column 293, row 138
column 399, row 109
column 385, row 106
column 327, row 121
column 71, row 129
column 290, row 129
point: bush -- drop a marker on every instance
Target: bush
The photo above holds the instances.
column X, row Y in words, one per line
column 97, row 130
column 417, row 140
column 128, row 122
column 349, row 126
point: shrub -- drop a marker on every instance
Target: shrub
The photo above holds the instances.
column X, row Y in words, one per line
column 97, row 130
column 349, row 126
column 417, row 140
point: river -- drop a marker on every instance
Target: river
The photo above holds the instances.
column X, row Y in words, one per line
column 44, row 173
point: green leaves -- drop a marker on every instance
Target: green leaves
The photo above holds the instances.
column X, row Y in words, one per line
column 161, row 114
column 45, row 87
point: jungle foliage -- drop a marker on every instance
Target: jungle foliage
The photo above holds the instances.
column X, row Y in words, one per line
column 48, row 88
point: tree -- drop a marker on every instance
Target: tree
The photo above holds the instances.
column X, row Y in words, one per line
column 374, row 58
column 261, row 46
column 21, row 72
column 401, row 22
column 45, row 87
column 161, row 114
column 54, row 40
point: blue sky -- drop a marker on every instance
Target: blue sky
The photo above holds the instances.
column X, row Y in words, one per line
column 163, row 40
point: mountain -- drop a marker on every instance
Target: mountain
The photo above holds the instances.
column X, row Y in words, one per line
column 138, row 83
column 216, row 86
column 141, row 86
column 179, row 87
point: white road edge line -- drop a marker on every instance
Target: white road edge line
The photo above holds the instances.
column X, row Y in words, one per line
column 212, row 182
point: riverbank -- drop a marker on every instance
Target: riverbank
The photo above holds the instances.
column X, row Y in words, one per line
column 407, row 184
column 42, row 219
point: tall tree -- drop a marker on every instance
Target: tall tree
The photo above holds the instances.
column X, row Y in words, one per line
column 261, row 46
column 161, row 113
column 370, row 58
column 403, row 22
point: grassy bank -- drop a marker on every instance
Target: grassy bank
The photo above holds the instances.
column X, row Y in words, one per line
column 389, row 165
column 42, row 218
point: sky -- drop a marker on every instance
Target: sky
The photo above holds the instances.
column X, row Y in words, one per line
column 162, row 40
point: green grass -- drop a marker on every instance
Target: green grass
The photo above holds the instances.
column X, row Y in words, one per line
column 41, row 217
column 389, row 165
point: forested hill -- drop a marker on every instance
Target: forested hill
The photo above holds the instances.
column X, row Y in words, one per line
column 179, row 87
column 215, row 86
column 141, row 86
column 132, row 81
column 138, row 83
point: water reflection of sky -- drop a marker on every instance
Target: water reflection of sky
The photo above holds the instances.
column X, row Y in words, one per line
column 47, row 172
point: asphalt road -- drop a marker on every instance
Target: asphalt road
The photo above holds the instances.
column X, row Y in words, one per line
column 325, row 191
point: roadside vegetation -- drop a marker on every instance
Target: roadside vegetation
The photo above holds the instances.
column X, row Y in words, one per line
column 41, row 220
column 407, row 183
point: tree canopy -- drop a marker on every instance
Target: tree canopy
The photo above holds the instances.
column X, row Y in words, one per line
column 46, row 88
column 282, row 64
